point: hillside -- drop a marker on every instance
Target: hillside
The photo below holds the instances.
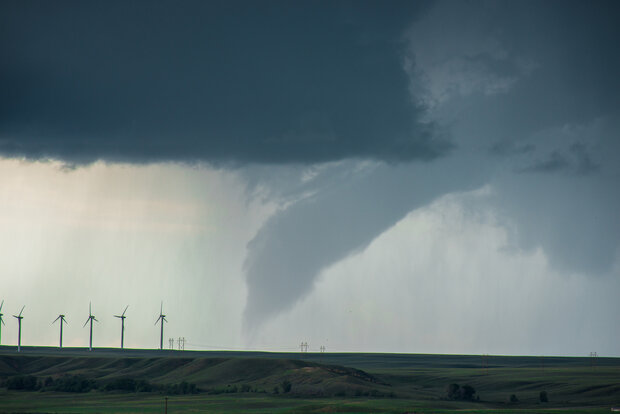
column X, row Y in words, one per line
column 238, row 381
column 208, row 374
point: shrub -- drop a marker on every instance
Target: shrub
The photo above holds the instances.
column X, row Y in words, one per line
column 74, row 383
column 453, row 391
column 26, row 383
column 467, row 392
column 513, row 398
column 286, row 386
column 456, row 392
column 190, row 388
column 276, row 390
column 543, row 396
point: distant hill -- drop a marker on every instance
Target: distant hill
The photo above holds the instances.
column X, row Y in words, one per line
column 208, row 374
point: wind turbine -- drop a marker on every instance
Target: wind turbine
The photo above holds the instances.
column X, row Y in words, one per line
column 122, row 316
column 90, row 319
column 162, row 317
column 62, row 320
column 19, row 332
column 1, row 321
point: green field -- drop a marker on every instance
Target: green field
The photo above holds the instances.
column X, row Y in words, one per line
column 255, row 382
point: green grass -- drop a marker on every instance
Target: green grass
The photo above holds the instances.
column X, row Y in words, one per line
column 96, row 402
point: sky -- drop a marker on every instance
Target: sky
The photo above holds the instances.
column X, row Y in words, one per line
column 418, row 177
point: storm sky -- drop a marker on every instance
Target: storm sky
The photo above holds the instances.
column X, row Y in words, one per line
column 428, row 176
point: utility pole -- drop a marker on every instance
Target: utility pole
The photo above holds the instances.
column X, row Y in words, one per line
column 171, row 343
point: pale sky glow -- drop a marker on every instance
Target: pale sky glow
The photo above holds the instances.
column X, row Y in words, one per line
column 444, row 280
column 118, row 235
column 428, row 176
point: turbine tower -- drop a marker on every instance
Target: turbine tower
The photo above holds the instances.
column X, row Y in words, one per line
column 1, row 321
column 122, row 317
column 62, row 320
column 162, row 317
column 19, row 332
column 90, row 319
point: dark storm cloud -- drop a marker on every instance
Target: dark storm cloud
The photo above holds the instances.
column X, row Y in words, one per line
column 522, row 86
column 266, row 82
column 292, row 248
column 576, row 161
column 511, row 148
column 554, row 163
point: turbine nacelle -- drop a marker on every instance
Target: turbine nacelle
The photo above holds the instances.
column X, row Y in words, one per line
column 62, row 319
column 122, row 315
column 20, row 313
column 91, row 317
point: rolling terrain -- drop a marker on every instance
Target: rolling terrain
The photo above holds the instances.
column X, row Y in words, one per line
column 220, row 381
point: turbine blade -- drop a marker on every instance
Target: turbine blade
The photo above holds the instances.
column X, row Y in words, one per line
column 95, row 319
column 20, row 312
column 161, row 308
column 56, row 319
column 157, row 319
column 116, row 316
column 89, row 311
column 1, row 304
column 86, row 321
column 2, row 320
column 125, row 310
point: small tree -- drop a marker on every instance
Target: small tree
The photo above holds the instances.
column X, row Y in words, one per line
column 513, row 398
column 543, row 396
column 453, row 391
column 286, row 386
column 467, row 392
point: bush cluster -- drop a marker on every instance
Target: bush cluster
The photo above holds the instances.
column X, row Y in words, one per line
column 456, row 392
column 129, row 384
column 181, row 388
column 78, row 383
column 70, row 383
column 23, row 382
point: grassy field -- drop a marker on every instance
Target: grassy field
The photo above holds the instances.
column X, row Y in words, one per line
column 236, row 382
